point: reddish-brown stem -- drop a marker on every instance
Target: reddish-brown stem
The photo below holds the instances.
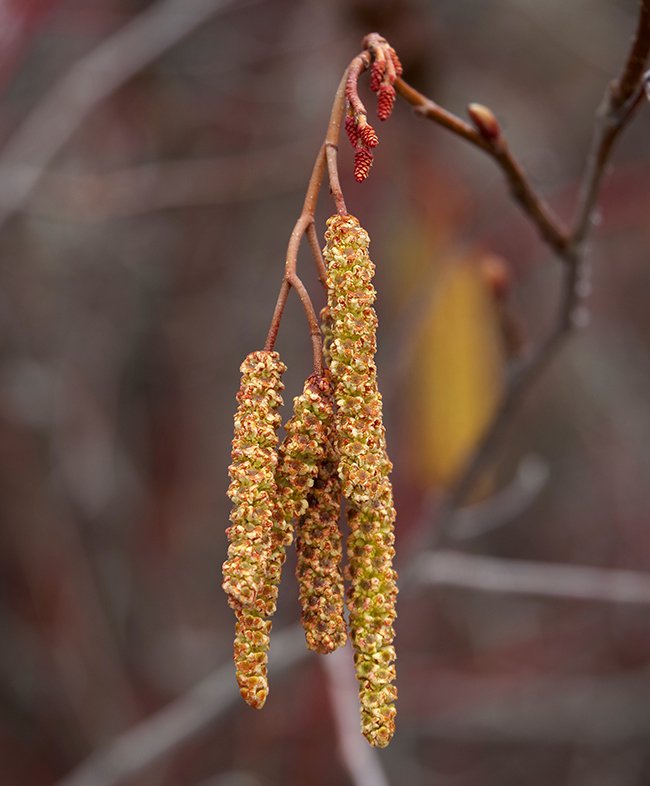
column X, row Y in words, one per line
column 335, row 186
column 314, row 245
column 277, row 315
column 537, row 210
column 325, row 161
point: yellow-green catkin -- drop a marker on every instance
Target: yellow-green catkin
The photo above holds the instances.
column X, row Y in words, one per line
column 364, row 469
column 298, row 460
column 351, row 350
column 371, row 603
column 252, row 477
column 319, row 554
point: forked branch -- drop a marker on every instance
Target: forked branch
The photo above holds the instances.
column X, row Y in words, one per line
column 622, row 98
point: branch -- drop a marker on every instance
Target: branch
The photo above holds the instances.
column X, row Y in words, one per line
column 325, row 161
column 544, row 579
column 622, row 98
column 161, row 735
column 92, row 79
column 494, row 144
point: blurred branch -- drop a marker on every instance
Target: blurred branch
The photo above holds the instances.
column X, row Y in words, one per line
column 506, row 504
column 164, row 185
column 159, row 736
column 622, row 97
column 594, row 710
column 361, row 761
column 520, row 577
column 47, row 128
column 496, row 146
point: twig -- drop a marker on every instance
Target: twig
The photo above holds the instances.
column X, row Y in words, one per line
column 361, row 761
column 325, row 161
column 521, row 577
column 533, row 205
column 161, row 735
column 621, row 100
column 90, row 81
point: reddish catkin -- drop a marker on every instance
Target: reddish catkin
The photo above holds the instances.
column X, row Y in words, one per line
column 300, row 455
column 368, row 135
column 252, row 477
column 385, row 101
column 351, row 130
column 399, row 70
column 364, row 469
column 362, row 163
column 377, row 74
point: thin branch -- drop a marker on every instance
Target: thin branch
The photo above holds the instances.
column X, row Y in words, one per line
column 92, row 79
column 532, row 204
column 360, row 759
column 314, row 245
column 618, row 107
column 325, row 161
column 543, row 579
column 161, row 735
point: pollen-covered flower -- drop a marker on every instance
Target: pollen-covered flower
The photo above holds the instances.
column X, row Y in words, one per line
column 319, row 553
column 364, row 468
column 252, row 477
column 352, row 349
column 371, row 603
column 299, row 457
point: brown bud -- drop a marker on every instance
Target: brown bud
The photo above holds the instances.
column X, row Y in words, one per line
column 485, row 122
column 496, row 274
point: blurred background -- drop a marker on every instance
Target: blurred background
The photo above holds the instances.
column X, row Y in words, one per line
column 146, row 199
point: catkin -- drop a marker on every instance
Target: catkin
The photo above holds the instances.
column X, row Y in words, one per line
column 252, row 477
column 351, row 350
column 371, row 603
column 298, row 459
column 319, row 553
column 364, row 469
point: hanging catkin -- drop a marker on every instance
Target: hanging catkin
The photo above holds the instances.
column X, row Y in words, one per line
column 252, row 477
column 319, row 553
column 299, row 457
column 364, row 469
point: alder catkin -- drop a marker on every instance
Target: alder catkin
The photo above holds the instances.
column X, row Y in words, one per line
column 319, row 553
column 252, row 477
column 371, row 603
column 364, row 469
column 299, row 457
column 351, row 351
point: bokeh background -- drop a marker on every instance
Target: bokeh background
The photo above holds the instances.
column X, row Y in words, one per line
column 141, row 269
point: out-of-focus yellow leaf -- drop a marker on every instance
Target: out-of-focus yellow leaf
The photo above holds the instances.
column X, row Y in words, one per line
column 457, row 374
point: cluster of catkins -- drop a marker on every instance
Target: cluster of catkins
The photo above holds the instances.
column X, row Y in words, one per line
column 385, row 69
column 334, row 448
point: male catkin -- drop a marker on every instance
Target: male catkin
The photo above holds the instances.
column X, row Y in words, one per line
column 252, row 477
column 319, row 554
column 299, row 457
column 364, row 469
